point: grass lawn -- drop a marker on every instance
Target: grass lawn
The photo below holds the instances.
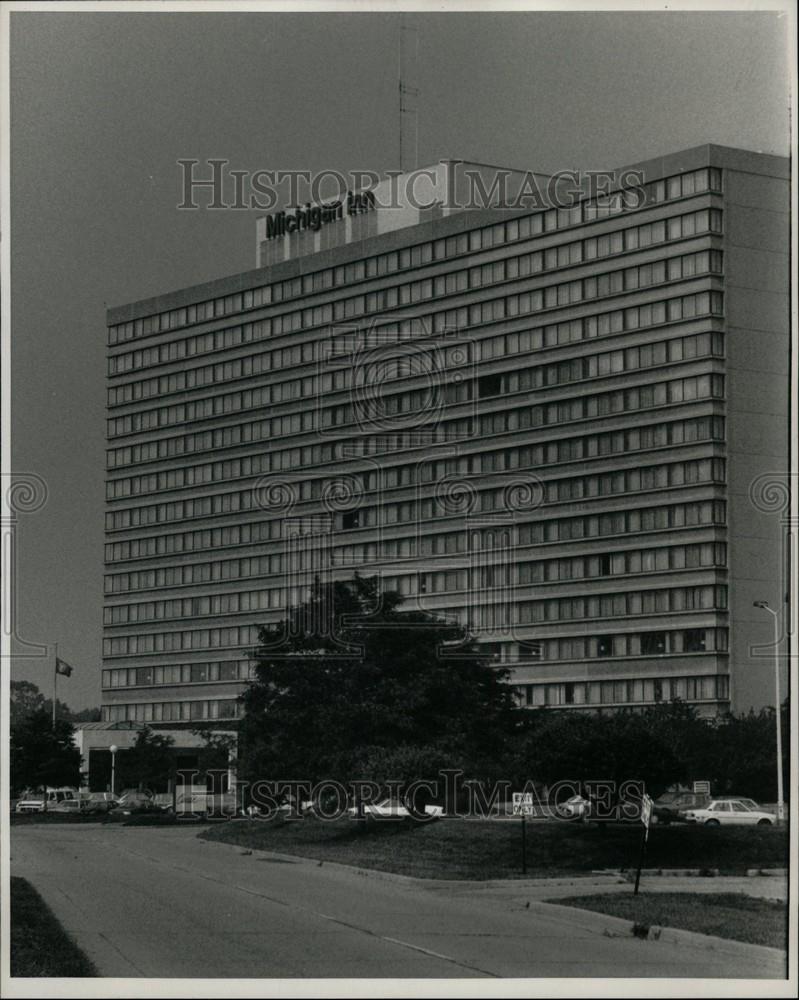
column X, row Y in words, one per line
column 39, row 944
column 725, row 914
column 484, row 849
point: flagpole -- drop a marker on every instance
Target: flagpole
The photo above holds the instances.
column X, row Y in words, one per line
column 55, row 681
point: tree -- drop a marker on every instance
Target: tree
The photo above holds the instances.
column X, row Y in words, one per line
column 349, row 673
column 618, row 747
column 147, row 764
column 26, row 699
column 41, row 754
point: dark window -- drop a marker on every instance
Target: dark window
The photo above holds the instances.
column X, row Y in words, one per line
column 658, row 690
column 653, row 643
column 604, row 564
column 489, row 385
column 351, row 519
column 604, row 645
column 568, row 694
column 199, row 672
column 694, row 640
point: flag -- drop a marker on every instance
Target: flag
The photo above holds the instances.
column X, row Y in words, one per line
column 62, row 667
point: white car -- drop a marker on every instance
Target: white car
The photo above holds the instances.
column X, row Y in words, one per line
column 574, row 808
column 34, row 803
column 730, row 812
column 395, row 809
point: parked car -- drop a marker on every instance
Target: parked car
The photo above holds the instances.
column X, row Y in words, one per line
column 670, row 806
column 576, row 807
column 198, row 802
column 102, row 802
column 730, row 812
column 34, row 802
column 79, row 804
column 394, row 808
column 132, row 800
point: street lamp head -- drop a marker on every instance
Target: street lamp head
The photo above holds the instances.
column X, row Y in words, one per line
column 113, row 748
column 760, row 604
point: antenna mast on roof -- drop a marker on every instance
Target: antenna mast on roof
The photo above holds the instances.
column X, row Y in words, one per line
column 408, row 95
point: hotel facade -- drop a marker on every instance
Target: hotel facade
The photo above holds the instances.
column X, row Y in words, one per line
column 545, row 423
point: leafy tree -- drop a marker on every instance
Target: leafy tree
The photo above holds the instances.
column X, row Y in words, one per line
column 743, row 758
column 582, row 747
column 26, row 699
column 350, row 674
column 148, row 763
column 41, row 754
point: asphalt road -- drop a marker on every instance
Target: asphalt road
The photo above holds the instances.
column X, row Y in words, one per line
column 158, row 902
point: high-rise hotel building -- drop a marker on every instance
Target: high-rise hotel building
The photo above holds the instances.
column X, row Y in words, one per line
column 543, row 422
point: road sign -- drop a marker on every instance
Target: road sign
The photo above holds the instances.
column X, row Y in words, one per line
column 523, row 804
column 646, row 816
column 646, row 810
column 702, row 787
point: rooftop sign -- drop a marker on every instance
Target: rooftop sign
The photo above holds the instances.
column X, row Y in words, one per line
column 315, row 216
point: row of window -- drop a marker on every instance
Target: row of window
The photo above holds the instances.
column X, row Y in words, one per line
column 501, row 422
column 666, row 643
column 655, row 560
column 522, row 342
column 236, row 636
column 174, row 711
column 607, row 564
column 632, row 522
column 633, row 603
column 715, row 687
column 655, row 192
column 673, row 434
column 564, row 293
column 575, row 369
column 480, row 617
column 538, row 532
column 554, row 491
column 533, row 456
column 178, row 673
column 369, row 413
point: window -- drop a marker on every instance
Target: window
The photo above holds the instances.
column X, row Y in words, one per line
column 489, row 385
column 694, row 640
column 653, row 643
column 604, row 645
column 351, row 519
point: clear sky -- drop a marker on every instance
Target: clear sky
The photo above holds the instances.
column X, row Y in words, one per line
column 105, row 104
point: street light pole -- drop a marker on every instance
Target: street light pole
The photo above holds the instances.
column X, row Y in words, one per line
column 113, row 750
column 780, row 803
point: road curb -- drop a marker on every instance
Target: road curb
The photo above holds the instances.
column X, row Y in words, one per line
column 608, row 878
column 612, row 926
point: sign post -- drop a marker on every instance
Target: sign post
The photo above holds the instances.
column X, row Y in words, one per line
column 646, row 816
column 523, row 806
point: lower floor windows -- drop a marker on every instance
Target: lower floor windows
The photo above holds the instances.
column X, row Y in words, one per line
column 173, row 711
column 624, row 692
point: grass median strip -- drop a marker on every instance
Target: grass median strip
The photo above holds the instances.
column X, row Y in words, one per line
column 491, row 849
column 728, row 915
column 39, row 944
